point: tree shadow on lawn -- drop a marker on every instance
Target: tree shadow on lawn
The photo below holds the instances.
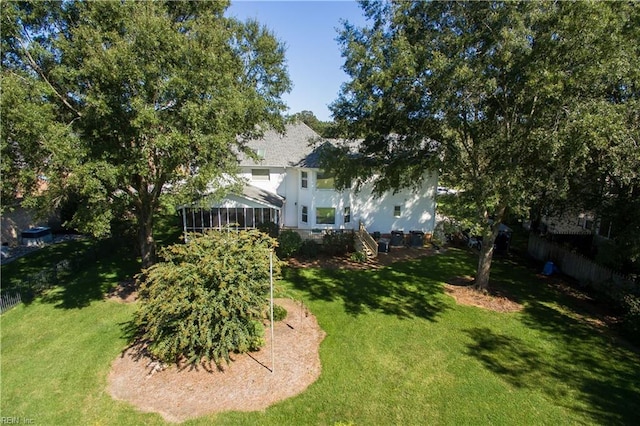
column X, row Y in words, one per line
column 91, row 283
column 405, row 289
column 570, row 361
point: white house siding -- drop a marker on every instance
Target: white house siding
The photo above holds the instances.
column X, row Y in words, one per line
column 273, row 185
column 377, row 213
column 289, row 192
column 572, row 222
column 286, row 156
column 417, row 209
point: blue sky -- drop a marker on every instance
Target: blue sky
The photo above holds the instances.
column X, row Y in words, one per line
column 308, row 29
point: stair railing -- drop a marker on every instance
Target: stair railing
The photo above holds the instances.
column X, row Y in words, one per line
column 367, row 240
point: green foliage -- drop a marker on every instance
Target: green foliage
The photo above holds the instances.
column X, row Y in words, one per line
column 338, row 243
column 114, row 102
column 270, row 228
column 509, row 101
column 358, row 256
column 289, row 242
column 279, row 313
column 207, row 297
column 309, row 249
column 631, row 320
column 326, row 129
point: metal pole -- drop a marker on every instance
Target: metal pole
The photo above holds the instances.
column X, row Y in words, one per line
column 271, row 284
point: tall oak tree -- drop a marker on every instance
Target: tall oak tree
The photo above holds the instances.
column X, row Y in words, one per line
column 487, row 93
column 146, row 97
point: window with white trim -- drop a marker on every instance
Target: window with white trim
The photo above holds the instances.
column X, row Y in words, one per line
column 347, row 215
column 260, row 174
column 305, row 214
column 304, row 179
column 325, row 216
column 324, row 180
column 397, row 211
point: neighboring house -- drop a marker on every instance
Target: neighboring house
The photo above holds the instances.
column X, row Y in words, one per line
column 575, row 223
column 287, row 187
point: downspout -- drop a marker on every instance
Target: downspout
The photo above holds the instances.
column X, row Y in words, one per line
column 284, row 202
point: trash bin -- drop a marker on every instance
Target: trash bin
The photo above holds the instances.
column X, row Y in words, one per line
column 383, row 245
column 549, row 268
column 417, row 239
column 397, row 238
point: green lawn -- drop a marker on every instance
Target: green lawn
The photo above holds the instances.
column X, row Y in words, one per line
column 398, row 351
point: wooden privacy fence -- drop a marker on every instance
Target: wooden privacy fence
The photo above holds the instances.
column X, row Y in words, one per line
column 573, row 264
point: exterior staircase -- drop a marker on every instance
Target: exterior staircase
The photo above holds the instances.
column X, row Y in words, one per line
column 364, row 242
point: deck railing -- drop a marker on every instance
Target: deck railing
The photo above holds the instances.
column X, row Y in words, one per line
column 367, row 240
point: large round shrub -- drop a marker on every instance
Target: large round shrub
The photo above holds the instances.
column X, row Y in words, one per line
column 207, row 298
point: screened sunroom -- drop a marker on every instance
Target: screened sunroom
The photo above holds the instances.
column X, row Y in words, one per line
column 236, row 211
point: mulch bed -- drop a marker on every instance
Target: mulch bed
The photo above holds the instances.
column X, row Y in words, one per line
column 250, row 382
column 462, row 290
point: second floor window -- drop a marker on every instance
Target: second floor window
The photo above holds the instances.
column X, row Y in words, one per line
column 304, row 179
column 260, row 174
column 324, row 180
column 397, row 211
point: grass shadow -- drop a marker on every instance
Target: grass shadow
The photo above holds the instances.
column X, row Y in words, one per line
column 405, row 289
column 594, row 378
column 14, row 273
column 584, row 356
column 92, row 282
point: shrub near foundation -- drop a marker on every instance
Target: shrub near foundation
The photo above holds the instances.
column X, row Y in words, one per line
column 207, row 298
column 289, row 242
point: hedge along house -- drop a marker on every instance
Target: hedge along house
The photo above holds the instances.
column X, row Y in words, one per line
column 287, row 187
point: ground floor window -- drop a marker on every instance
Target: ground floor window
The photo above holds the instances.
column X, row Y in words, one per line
column 305, row 214
column 325, row 216
column 347, row 215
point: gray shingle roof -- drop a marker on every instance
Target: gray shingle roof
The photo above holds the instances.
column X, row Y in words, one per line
column 262, row 196
column 290, row 149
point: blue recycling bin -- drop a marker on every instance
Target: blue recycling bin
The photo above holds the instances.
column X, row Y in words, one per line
column 549, row 268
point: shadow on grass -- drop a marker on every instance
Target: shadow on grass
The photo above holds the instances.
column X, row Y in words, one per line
column 15, row 272
column 405, row 289
column 591, row 377
column 584, row 367
column 92, row 282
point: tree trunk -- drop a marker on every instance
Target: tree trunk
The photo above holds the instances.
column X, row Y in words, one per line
column 484, row 261
column 486, row 252
column 145, row 237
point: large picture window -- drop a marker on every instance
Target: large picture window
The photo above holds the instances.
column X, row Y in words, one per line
column 325, row 216
column 325, row 180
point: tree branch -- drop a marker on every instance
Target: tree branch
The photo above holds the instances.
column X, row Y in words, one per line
column 42, row 74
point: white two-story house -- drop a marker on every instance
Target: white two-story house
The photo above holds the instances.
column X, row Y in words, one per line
column 287, row 187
